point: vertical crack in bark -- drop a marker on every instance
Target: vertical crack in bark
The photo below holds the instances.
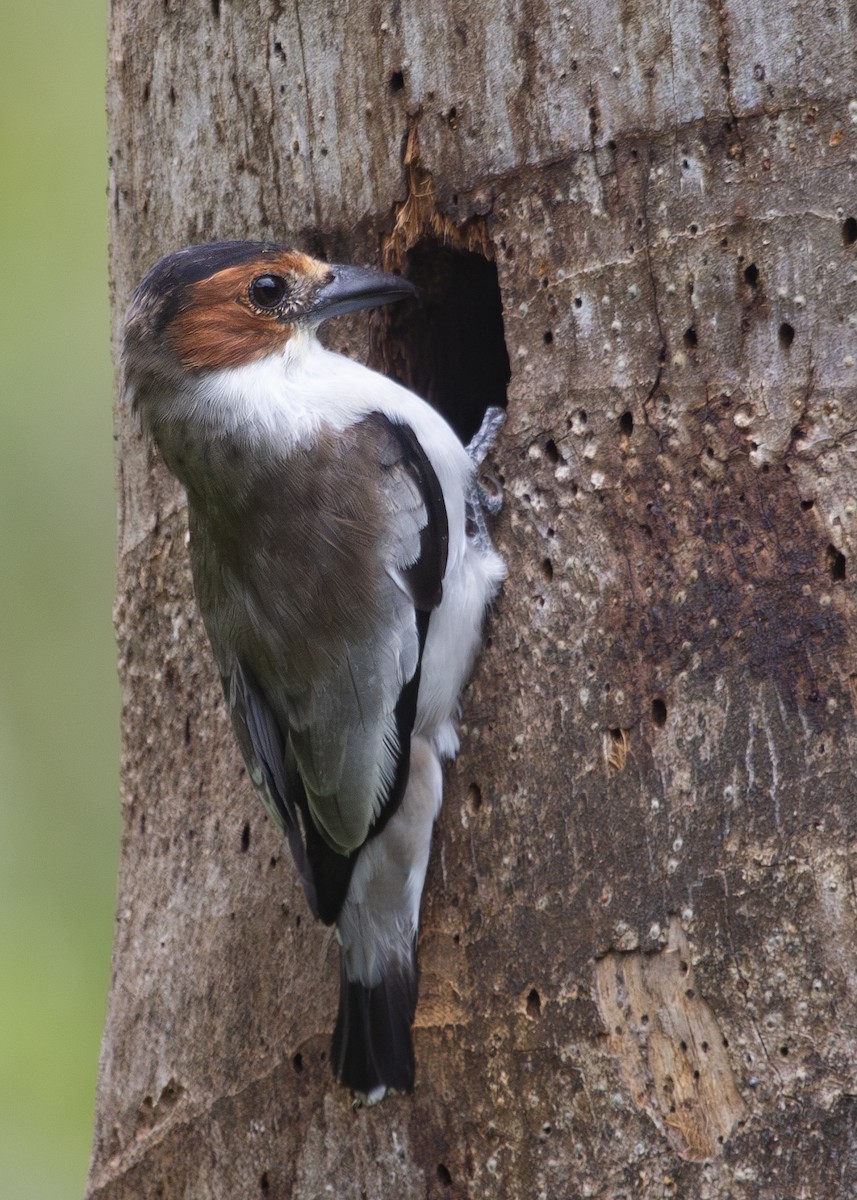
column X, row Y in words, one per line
column 723, row 51
column 744, row 982
column 662, row 350
column 274, row 141
column 669, row 17
column 313, row 190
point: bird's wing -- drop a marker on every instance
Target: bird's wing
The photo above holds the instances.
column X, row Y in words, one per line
column 317, row 604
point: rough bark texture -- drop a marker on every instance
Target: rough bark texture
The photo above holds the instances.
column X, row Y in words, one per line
column 639, row 949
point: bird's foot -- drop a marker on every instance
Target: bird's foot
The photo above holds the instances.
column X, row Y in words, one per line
column 481, row 500
column 480, row 445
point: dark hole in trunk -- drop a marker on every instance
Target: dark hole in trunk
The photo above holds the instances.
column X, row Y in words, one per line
column 448, row 345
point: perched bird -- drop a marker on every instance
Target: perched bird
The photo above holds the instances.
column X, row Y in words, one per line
column 342, row 568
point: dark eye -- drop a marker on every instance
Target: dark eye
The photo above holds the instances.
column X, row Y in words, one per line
column 266, row 291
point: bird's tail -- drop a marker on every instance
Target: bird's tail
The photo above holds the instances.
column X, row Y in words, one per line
column 373, row 1051
column 377, row 929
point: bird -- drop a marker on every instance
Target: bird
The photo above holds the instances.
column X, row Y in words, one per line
column 343, row 570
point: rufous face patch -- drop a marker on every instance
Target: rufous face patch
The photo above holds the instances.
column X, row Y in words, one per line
column 244, row 312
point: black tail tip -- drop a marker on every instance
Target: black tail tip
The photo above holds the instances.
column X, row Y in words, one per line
column 373, row 1051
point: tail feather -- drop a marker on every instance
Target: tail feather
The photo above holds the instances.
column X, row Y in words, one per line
column 373, row 1050
column 377, row 929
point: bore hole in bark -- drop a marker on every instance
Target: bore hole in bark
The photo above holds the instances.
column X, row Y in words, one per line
column 264, row 1183
column 578, row 302
column 534, row 1004
column 448, row 346
column 835, row 563
column 551, row 452
column 444, row 1175
column 548, row 337
column 786, row 335
column 547, row 570
column 617, row 745
column 690, row 338
column 626, row 423
column 298, row 1063
column 396, row 81
column 806, row 505
column 215, row 9
column 751, row 275
column 245, row 837
column 474, row 797
column 659, row 712
column 849, row 231
column 784, row 1051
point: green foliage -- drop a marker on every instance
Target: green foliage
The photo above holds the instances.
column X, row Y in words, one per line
column 59, row 808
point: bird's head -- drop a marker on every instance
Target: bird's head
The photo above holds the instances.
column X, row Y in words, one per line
column 226, row 304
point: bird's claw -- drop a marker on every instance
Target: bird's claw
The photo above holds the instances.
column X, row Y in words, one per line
column 483, row 440
column 490, row 501
column 479, row 499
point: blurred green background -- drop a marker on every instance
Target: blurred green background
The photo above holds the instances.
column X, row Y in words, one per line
column 59, row 701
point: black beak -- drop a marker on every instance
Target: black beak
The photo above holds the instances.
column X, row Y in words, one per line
column 357, row 287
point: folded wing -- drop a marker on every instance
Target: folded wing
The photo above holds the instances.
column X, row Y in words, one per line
column 316, row 585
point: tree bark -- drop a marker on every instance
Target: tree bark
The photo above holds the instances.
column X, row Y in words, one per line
column 639, row 942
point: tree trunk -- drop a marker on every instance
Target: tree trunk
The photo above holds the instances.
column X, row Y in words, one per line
column 639, row 942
